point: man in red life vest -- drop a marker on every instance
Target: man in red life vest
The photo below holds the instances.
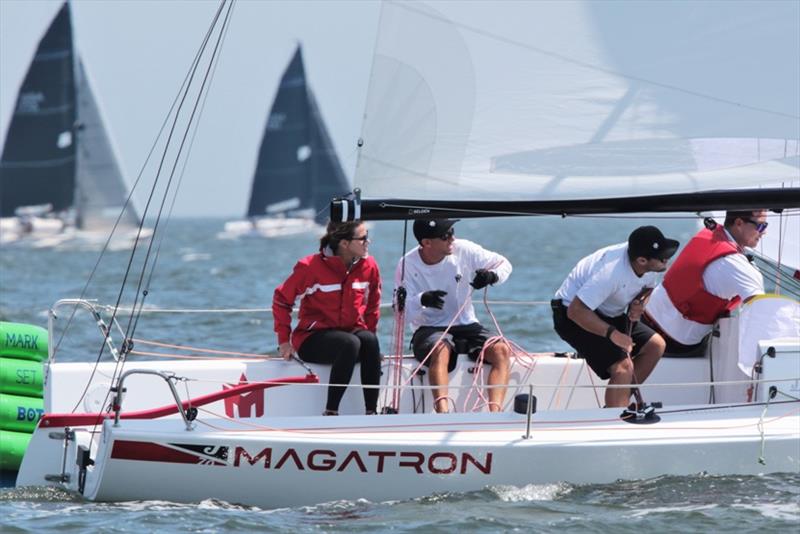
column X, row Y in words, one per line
column 711, row 277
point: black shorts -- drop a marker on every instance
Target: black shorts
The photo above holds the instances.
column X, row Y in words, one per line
column 675, row 349
column 468, row 338
column 599, row 352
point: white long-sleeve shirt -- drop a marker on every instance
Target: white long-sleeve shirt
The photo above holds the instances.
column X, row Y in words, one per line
column 453, row 274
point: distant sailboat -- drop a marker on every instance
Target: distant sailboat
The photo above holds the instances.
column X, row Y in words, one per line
column 298, row 171
column 58, row 171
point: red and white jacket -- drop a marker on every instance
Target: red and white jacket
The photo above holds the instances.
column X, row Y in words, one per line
column 684, row 280
column 331, row 297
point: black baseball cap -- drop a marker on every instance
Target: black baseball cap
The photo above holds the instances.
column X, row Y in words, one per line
column 648, row 242
column 432, row 228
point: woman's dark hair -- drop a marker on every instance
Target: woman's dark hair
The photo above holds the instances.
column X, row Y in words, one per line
column 337, row 231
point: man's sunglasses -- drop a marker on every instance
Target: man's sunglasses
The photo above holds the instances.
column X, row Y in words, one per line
column 448, row 235
column 761, row 227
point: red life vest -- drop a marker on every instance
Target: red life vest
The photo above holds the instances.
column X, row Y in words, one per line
column 684, row 280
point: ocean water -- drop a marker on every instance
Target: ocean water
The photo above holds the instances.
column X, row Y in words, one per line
column 197, row 271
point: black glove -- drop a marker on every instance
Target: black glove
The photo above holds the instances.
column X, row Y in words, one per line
column 433, row 299
column 400, row 299
column 483, row 278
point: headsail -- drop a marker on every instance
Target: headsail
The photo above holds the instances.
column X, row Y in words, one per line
column 297, row 168
column 575, row 100
column 328, row 177
column 100, row 188
column 38, row 161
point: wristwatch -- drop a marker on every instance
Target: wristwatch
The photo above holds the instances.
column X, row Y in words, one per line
column 611, row 329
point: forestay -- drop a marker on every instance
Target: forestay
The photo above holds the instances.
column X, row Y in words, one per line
column 561, row 100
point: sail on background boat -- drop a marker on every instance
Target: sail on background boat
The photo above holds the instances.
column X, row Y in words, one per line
column 57, row 152
column 565, row 100
column 38, row 160
column 101, row 192
column 298, row 171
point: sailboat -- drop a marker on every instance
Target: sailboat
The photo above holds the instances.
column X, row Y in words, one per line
column 59, row 175
column 585, row 108
column 298, row 171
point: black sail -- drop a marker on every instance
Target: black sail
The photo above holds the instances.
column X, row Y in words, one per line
column 297, row 171
column 38, row 161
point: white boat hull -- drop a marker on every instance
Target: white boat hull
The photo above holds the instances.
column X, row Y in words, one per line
column 271, row 448
column 270, row 227
column 306, row 460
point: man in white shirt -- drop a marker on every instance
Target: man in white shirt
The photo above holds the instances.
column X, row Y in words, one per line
column 439, row 277
column 710, row 278
column 589, row 309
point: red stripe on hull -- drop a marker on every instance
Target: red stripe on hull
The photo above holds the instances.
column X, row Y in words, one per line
column 151, row 452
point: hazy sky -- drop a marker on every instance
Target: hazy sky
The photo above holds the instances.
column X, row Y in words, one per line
column 137, row 53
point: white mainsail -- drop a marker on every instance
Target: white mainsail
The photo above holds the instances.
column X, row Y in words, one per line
column 559, row 100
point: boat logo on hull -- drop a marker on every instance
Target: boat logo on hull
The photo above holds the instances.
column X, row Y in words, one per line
column 250, row 404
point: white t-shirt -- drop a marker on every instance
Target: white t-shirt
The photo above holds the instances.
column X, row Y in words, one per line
column 725, row 277
column 605, row 281
column 453, row 274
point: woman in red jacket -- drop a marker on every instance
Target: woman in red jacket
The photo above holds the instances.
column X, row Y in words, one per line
column 340, row 294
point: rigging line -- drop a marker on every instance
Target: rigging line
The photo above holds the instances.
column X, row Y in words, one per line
column 780, row 250
column 128, row 201
column 763, row 263
column 793, row 213
column 360, row 141
column 130, row 327
column 383, row 305
column 580, row 63
column 776, row 271
column 200, row 349
column 185, row 84
column 163, row 234
column 724, row 407
column 192, row 70
column 400, row 319
column 134, row 320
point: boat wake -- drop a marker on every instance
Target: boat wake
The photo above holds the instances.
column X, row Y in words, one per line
column 38, row 494
column 532, row 492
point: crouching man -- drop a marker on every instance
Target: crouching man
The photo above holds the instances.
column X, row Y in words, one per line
column 598, row 306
